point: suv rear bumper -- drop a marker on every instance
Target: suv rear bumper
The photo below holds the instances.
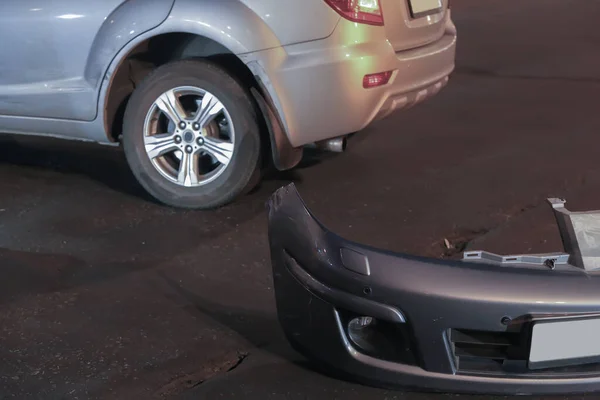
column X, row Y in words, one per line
column 318, row 86
column 322, row 281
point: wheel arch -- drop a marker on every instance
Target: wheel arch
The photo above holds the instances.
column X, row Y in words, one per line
column 142, row 57
column 125, row 24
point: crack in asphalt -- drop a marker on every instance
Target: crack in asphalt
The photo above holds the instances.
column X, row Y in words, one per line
column 207, row 373
column 462, row 239
column 241, row 359
column 472, row 71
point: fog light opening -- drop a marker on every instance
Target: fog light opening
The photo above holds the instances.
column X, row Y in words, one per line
column 361, row 332
column 377, row 338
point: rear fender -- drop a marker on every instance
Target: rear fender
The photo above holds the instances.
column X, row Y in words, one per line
column 124, row 25
column 229, row 23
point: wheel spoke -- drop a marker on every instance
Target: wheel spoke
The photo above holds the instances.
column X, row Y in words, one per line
column 170, row 105
column 208, row 109
column 188, row 170
column 221, row 150
column 157, row 145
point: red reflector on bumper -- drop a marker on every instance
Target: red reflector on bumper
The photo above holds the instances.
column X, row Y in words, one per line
column 379, row 79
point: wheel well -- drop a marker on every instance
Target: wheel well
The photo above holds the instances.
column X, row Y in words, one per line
column 159, row 50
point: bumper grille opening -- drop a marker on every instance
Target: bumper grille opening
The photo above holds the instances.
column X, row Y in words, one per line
column 478, row 351
column 380, row 339
column 506, row 354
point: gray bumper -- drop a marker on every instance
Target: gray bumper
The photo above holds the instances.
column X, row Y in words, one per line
column 440, row 325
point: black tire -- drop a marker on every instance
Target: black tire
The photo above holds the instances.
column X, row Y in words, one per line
column 244, row 166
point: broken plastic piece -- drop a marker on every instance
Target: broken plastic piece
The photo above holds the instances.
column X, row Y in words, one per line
column 550, row 260
column 580, row 233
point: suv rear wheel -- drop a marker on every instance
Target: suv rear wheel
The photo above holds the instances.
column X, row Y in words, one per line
column 191, row 135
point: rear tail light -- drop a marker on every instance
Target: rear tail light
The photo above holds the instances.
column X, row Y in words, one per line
column 362, row 11
column 379, row 79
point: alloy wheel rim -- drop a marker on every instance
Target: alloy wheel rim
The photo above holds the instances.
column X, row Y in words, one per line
column 189, row 136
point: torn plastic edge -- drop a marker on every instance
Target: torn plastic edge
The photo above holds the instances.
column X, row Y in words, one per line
column 580, row 234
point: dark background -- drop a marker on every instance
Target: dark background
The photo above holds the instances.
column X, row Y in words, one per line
column 105, row 294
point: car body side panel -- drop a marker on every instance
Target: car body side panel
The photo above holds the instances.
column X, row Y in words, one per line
column 246, row 33
column 228, row 22
column 296, row 21
column 60, row 50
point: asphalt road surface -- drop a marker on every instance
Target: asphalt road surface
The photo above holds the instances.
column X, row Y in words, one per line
column 105, row 294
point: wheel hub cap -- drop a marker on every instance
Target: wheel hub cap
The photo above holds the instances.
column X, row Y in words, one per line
column 189, row 136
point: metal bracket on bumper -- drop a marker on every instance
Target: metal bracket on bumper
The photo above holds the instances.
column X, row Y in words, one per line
column 389, row 319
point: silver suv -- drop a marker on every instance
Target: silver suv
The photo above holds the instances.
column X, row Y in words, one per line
column 203, row 94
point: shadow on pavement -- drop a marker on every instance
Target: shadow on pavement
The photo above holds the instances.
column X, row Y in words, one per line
column 25, row 272
column 102, row 164
column 108, row 166
column 260, row 329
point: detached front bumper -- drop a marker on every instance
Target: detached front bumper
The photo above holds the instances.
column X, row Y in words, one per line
column 394, row 320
